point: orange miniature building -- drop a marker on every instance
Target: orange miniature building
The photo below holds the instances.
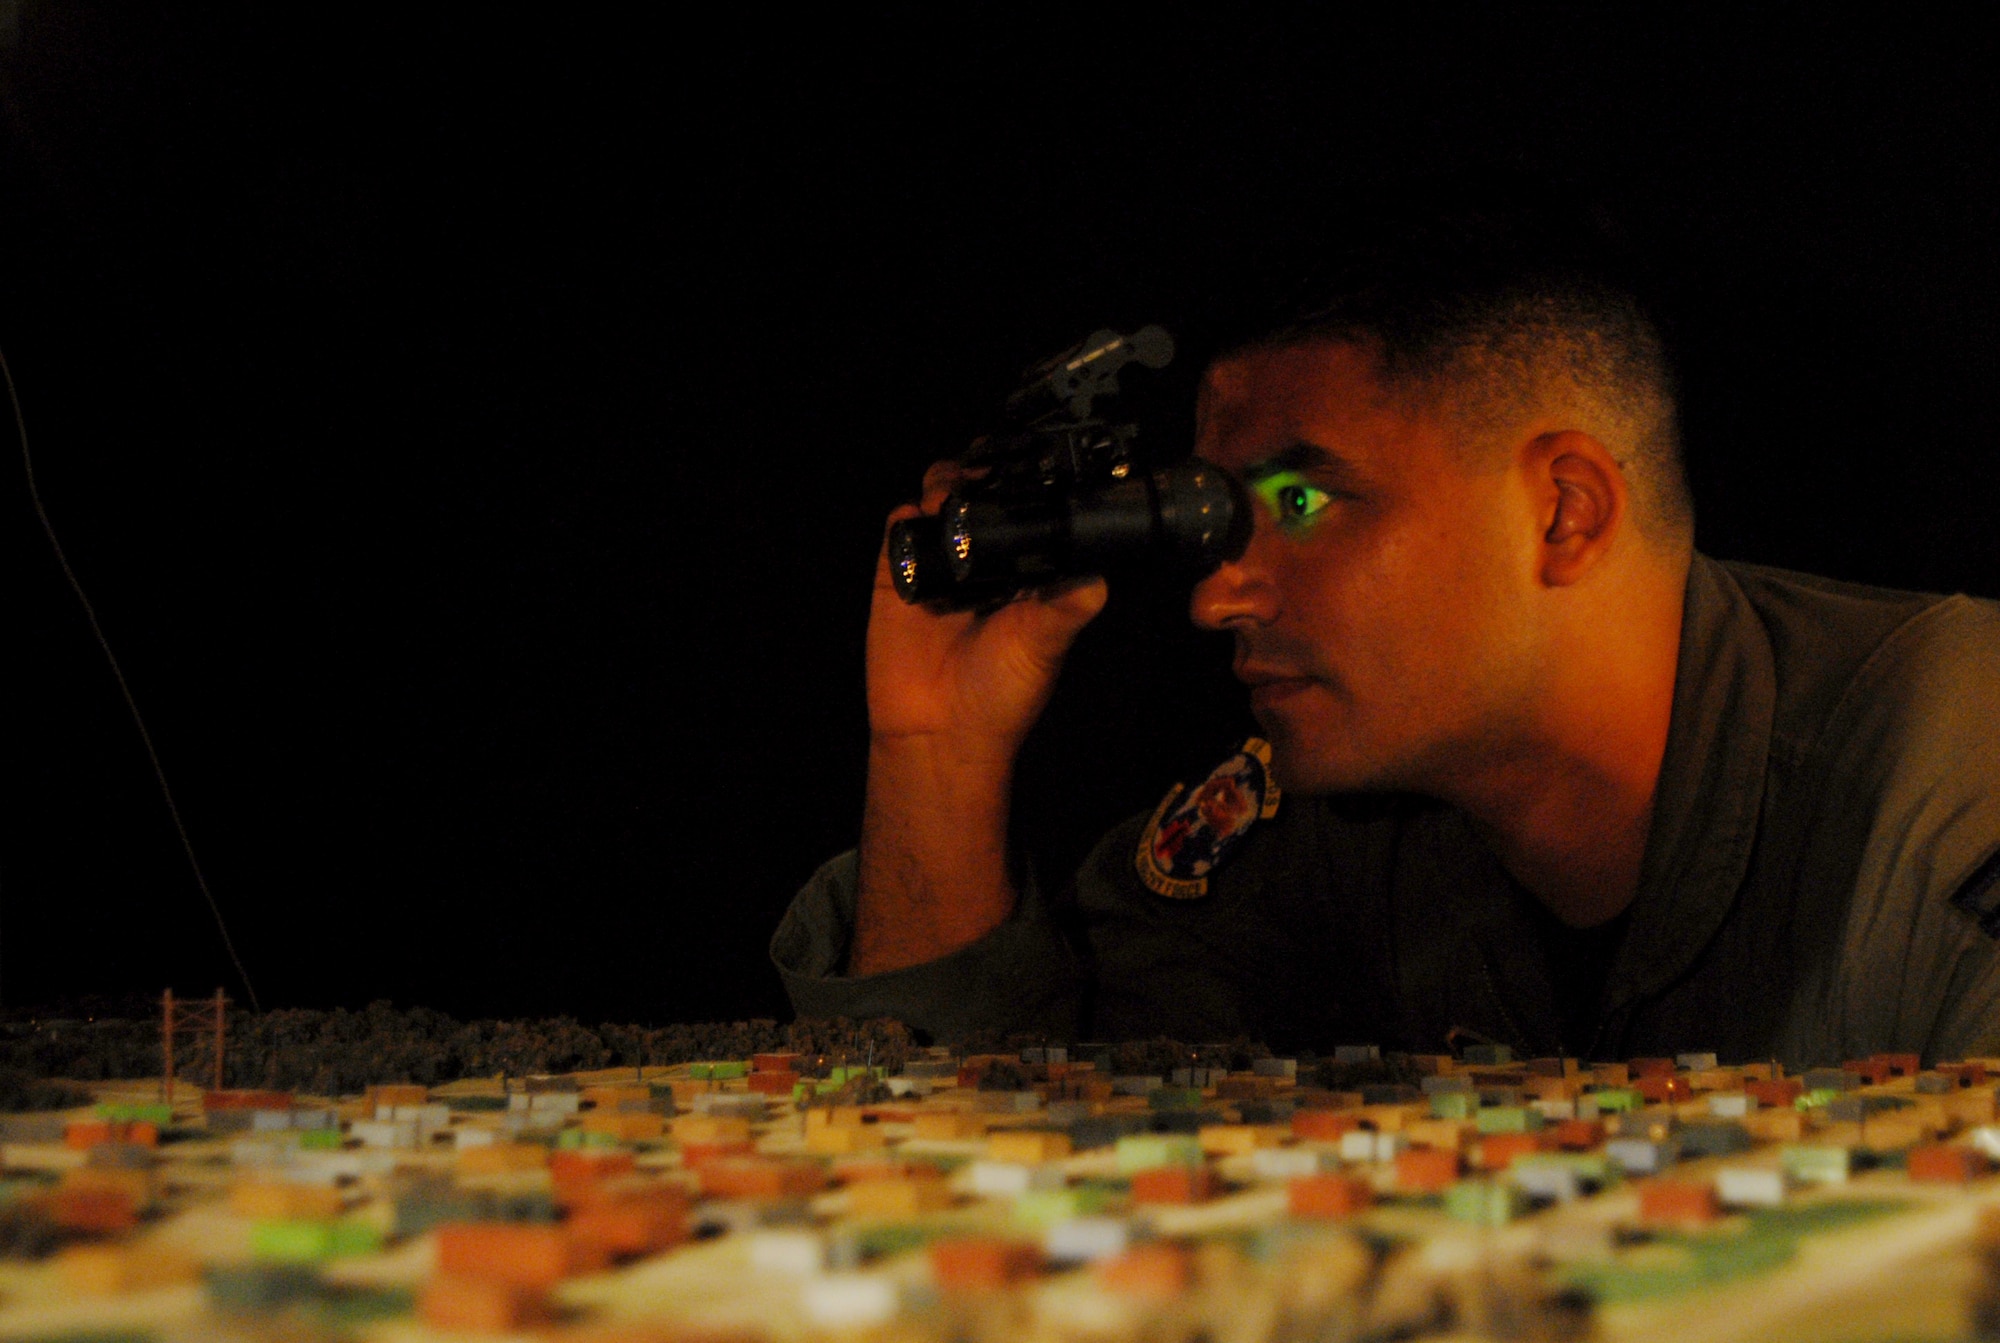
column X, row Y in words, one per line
column 532, row 1258
column 981, row 1263
column 1943, row 1163
column 1575, row 1135
column 1426, row 1170
column 253, row 1100
column 1174, row 1184
column 633, row 1222
column 1662, row 1088
column 1501, row 1150
column 1776, row 1093
column 1322, row 1125
column 83, row 1134
column 100, row 1211
column 1677, row 1203
column 1327, row 1195
column 760, row 1177
column 577, row 1175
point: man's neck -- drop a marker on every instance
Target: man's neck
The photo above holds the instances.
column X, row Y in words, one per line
column 1577, row 843
column 1569, row 810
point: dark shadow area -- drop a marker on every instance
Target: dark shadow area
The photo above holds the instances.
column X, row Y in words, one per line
column 476, row 439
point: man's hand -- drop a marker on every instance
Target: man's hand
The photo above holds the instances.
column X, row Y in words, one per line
column 951, row 696
column 980, row 680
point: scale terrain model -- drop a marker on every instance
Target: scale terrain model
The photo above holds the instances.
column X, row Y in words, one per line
column 1088, row 1192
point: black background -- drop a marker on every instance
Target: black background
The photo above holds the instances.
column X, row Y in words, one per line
column 474, row 428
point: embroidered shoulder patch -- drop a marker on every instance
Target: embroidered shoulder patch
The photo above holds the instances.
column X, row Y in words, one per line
column 1192, row 832
column 1980, row 896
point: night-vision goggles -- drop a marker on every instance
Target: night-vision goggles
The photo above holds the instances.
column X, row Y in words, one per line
column 1057, row 492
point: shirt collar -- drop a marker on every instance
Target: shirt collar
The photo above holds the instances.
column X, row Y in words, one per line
column 1711, row 787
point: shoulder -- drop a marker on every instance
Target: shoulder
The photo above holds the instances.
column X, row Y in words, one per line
column 1891, row 703
column 1888, row 724
column 1902, row 669
column 1925, row 698
column 1824, row 619
column 1830, row 640
column 1823, row 615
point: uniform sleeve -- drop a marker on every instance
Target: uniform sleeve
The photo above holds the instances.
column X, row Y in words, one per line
column 1920, row 963
column 1022, row 976
column 1969, row 1024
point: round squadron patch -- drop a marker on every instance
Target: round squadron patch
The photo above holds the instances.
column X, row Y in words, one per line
column 1194, row 830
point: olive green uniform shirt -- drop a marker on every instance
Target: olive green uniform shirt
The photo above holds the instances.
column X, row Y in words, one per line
column 1821, row 881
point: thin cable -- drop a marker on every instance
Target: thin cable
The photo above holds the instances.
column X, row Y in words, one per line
column 90, row 613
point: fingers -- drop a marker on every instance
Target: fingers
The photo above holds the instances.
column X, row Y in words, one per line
column 1083, row 597
column 940, row 480
column 1051, row 618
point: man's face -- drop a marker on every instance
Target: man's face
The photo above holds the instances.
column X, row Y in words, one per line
column 1382, row 612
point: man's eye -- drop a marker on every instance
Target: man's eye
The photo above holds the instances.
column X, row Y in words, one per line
column 1291, row 500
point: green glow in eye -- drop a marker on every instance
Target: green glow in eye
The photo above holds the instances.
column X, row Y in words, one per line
column 1291, row 500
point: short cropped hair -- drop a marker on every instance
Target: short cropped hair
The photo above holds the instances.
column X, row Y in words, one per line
column 1466, row 319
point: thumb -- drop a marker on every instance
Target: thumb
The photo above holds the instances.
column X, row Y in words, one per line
column 1051, row 618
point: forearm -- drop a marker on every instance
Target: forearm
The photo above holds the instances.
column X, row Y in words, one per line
column 933, row 860
column 1022, row 976
column 951, row 695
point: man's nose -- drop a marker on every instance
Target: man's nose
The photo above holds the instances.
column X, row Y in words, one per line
column 1239, row 592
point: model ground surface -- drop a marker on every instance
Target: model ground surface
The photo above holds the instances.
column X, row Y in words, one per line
column 1039, row 1192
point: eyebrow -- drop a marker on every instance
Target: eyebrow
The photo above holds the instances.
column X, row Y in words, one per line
column 1300, row 456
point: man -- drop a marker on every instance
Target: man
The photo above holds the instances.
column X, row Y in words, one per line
column 1549, row 776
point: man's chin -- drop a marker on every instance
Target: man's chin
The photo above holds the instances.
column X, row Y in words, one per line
column 1298, row 768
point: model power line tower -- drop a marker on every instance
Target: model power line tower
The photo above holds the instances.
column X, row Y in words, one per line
column 192, row 1018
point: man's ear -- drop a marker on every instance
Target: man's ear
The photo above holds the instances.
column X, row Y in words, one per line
column 1582, row 499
